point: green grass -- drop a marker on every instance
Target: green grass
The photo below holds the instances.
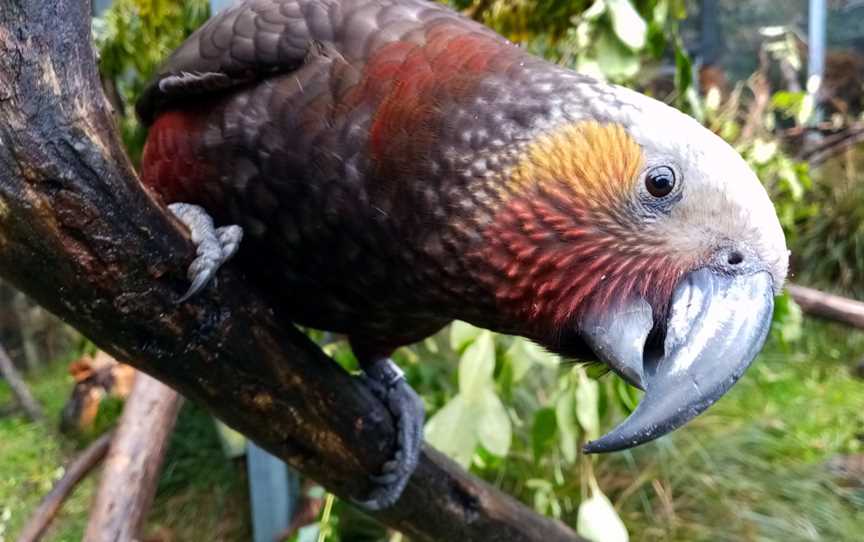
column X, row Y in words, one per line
column 751, row 469
column 30, row 460
column 200, row 491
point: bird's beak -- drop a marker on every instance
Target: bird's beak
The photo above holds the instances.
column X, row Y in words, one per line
column 717, row 324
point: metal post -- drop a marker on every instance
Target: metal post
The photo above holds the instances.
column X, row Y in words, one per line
column 218, row 5
column 100, row 5
column 816, row 52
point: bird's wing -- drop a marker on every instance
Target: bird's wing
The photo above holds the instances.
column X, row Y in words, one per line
column 261, row 38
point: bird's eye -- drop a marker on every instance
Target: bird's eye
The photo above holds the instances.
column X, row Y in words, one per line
column 660, row 181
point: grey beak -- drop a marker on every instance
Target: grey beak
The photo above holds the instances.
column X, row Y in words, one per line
column 717, row 324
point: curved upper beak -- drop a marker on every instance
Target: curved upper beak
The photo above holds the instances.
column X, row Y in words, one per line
column 717, row 324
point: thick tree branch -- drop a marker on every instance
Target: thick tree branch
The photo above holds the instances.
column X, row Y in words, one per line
column 80, row 235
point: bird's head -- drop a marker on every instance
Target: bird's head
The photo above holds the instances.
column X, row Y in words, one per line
column 633, row 234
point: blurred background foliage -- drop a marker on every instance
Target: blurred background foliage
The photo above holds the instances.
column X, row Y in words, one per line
column 768, row 462
column 133, row 38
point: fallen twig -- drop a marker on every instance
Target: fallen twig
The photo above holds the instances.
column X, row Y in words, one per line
column 63, row 488
column 134, row 462
column 830, row 306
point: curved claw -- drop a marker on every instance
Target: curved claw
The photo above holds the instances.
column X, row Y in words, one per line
column 717, row 324
column 214, row 246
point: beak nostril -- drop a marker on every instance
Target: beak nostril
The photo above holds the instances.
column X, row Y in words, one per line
column 735, row 258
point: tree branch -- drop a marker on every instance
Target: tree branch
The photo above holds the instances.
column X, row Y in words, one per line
column 19, row 388
column 830, row 306
column 50, row 505
column 80, row 235
column 131, row 471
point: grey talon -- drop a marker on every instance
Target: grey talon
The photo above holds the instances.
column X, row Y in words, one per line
column 214, row 246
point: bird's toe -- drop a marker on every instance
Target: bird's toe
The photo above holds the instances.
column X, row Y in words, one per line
column 388, row 384
column 213, row 246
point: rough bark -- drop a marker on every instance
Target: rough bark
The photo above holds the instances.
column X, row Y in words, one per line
column 830, row 306
column 75, row 472
column 80, row 235
column 19, row 388
column 131, row 471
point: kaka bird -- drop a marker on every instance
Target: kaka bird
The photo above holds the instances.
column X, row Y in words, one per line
column 394, row 165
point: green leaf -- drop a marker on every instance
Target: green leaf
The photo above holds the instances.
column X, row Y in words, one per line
column 568, row 426
column 494, row 429
column 540, row 355
column 589, row 66
column 461, row 334
column 518, row 358
column 587, row 399
column 594, row 12
column 763, row 151
column 431, row 345
column 543, row 431
column 616, row 61
column 627, row 395
column 661, row 12
column 683, row 69
column 233, row 443
column 788, row 319
column 453, row 430
column 476, row 367
column 787, row 102
column 628, row 25
column 523, row 353
column 598, row 521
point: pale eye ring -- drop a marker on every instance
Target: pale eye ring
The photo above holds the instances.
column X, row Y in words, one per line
column 660, row 181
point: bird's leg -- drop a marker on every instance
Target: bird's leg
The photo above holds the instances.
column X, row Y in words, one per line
column 387, row 382
column 214, row 246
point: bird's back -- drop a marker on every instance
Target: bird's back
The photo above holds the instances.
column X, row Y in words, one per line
column 340, row 136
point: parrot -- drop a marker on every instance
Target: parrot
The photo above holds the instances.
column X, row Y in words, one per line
column 380, row 168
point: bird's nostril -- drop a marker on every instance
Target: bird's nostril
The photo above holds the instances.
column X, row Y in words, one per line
column 735, row 258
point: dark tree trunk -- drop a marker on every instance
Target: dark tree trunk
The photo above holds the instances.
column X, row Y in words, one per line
column 80, row 235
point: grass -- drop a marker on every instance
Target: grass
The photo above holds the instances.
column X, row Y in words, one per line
column 829, row 250
column 30, row 461
column 751, row 469
column 200, row 491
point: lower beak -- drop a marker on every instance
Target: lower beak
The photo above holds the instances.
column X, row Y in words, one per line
column 717, row 324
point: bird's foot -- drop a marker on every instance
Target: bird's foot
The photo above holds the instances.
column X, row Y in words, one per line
column 215, row 246
column 387, row 382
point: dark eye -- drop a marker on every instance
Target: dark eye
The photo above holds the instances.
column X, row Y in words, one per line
column 660, row 181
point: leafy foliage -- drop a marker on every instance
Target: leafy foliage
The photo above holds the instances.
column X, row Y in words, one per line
column 133, row 37
column 512, row 412
column 830, row 245
column 613, row 39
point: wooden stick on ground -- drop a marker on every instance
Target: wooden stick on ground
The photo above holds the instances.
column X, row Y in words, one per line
column 830, row 306
column 80, row 235
column 19, row 387
column 134, row 462
column 75, row 472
